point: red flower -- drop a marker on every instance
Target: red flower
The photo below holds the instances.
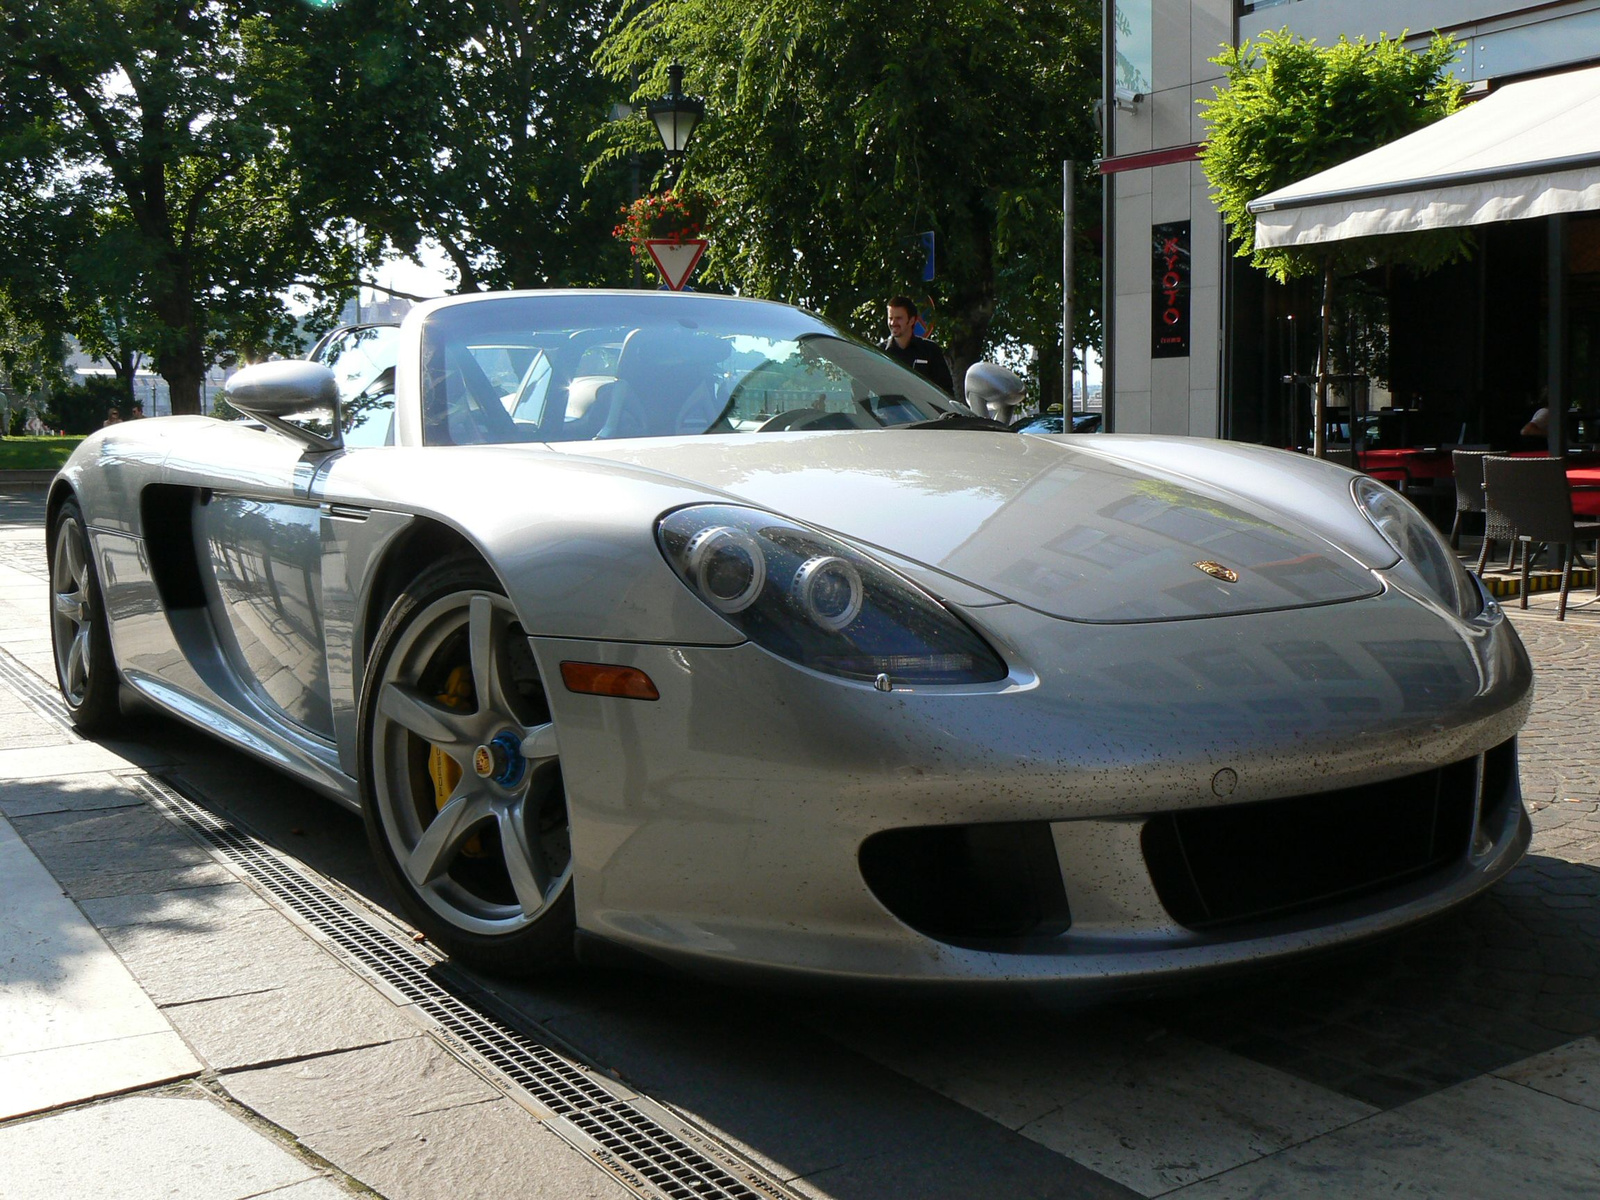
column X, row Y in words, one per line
column 669, row 216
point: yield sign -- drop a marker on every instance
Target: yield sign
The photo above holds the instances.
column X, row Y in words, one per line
column 676, row 260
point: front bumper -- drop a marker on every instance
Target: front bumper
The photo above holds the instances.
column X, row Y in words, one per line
column 722, row 827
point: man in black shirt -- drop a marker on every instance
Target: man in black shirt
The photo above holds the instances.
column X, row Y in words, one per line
column 910, row 351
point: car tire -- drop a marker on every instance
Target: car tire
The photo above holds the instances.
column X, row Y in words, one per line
column 461, row 776
column 86, row 669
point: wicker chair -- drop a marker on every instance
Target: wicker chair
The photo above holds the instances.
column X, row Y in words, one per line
column 1534, row 498
column 1497, row 527
column 1468, row 469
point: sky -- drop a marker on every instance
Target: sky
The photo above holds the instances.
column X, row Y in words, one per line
column 426, row 275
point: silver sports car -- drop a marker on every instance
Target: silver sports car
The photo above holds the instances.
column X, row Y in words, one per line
column 684, row 626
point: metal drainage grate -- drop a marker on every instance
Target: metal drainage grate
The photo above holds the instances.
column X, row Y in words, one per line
column 39, row 695
column 645, row 1146
column 639, row 1147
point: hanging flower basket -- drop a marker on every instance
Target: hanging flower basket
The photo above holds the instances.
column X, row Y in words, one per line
column 676, row 217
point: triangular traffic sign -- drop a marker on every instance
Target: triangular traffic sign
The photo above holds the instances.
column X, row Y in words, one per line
column 676, row 260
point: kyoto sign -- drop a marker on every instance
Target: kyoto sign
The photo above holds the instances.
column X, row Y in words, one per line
column 676, row 260
column 1169, row 290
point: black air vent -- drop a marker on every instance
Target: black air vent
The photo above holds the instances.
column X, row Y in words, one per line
column 964, row 883
column 1217, row 867
column 167, row 514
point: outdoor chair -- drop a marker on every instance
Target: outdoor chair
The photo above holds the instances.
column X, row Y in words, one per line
column 1468, row 468
column 1534, row 498
column 1497, row 527
column 1436, row 494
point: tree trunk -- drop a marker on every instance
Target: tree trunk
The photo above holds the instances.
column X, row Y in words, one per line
column 1048, row 367
column 183, row 383
column 125, row 366
column 179, row 356
column 181, row 360
column 969, row 313
column 969, row 319
column 1319, row 439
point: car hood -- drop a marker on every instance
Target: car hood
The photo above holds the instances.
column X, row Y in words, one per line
column 1064, row 530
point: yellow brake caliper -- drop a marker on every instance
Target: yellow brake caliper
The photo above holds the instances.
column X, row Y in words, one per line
column 443, row 770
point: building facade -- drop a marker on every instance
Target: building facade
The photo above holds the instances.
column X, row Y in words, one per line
column 1198, row 342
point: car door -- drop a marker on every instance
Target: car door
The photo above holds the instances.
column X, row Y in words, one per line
column 263, row 547
column 266, row 543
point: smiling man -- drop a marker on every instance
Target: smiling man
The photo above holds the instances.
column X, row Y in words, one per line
column 915, row 353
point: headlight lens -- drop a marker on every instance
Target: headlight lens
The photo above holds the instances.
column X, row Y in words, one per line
column 829, row 590
column 815, row 601
column 726, row 566
column 1419, row 545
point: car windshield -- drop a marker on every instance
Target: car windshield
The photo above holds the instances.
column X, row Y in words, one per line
column 578, row 367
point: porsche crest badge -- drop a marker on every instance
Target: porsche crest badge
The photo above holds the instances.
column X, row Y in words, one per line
column 1217, row 571
column 483, row 761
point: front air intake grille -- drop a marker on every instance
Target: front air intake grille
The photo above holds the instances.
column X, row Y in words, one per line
column 1217, row 867
column 970, row 883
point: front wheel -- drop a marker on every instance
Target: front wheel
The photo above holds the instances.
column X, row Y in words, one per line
column 79, row 635
column 461, row 775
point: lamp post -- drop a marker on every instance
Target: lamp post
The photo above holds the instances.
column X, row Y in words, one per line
column 675, row 116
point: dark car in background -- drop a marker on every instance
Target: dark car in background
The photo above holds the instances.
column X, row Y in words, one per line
column 1055, row 423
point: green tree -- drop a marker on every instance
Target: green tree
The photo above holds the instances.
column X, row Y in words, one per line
column 837, row 131
column 1292, row 108
column 69, row 267
column 1029, row 314
column 463, row 122
column 133, row 153
column 81, row 408
column 30, row 364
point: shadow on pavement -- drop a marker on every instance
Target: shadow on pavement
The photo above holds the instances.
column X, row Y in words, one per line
column 1513, row 974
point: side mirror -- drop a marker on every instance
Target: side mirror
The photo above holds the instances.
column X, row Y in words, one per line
column 280, row 393
column 993, row 390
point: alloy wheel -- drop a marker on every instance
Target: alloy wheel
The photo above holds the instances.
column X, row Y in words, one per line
column 466, row 767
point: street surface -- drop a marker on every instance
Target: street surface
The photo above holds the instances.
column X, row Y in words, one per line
column 1459, row 1060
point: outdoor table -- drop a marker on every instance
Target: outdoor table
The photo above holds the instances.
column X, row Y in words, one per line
column 1585, row 483
column 1407, row 465
column 1417, row 462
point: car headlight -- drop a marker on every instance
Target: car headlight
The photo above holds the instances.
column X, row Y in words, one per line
column 811, row 599
column 1419, row 545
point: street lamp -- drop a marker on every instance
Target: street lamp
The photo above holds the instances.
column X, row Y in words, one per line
column 675, row 116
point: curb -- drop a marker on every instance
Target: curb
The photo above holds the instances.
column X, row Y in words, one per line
column 26, row 479
column 1501, row 586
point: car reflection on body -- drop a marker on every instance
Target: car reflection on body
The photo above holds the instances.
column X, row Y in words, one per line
column 684, row 626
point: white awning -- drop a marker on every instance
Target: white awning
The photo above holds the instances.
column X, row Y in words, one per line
column 1530, row 149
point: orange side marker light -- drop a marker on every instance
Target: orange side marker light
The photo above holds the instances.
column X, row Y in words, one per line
column 601, row 679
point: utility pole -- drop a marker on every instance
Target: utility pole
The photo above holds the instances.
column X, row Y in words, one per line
column 1068, row 169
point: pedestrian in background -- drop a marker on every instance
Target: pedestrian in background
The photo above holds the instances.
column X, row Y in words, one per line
column 1536, row 433
column 915, row 353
